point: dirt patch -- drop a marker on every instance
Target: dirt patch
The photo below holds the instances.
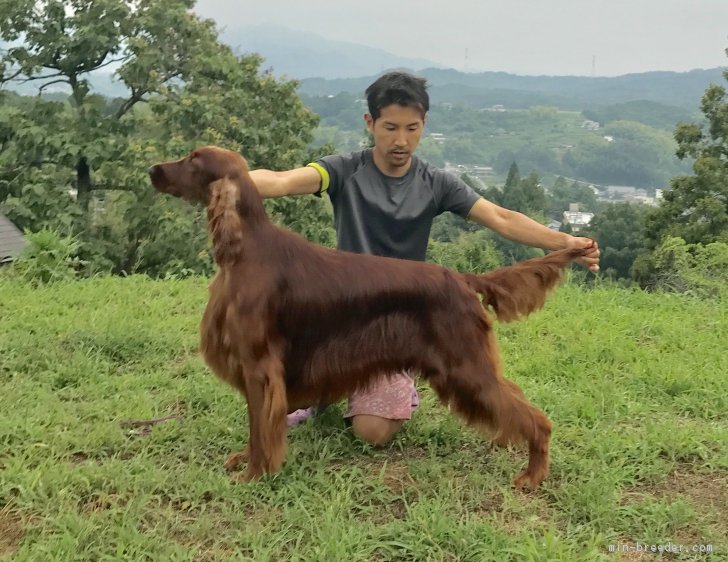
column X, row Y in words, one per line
column 706, row 491
column 12, row 532
column 531, row 511
column 78, row 457
column 395, row 475
column 100, row 502
column 703, row 489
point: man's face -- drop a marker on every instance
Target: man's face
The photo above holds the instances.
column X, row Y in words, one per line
column 396, row 133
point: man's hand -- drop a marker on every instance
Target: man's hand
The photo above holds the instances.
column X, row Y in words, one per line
column 591, row 259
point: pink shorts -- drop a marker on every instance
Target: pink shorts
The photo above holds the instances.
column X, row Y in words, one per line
column 392, row 397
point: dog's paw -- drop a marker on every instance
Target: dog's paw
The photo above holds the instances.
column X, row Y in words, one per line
column 526, row 480
column 240, row 477
column 245, row 476
column 236, row 459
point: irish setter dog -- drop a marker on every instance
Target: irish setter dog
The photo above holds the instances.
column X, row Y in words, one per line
column 291, row 324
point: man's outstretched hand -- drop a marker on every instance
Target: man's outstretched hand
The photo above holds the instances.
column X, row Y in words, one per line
column 591, row 259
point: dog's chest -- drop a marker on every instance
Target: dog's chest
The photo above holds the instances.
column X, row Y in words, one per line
column 217, row 338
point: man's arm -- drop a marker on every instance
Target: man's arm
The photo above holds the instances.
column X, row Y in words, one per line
column 299, row 181
column 520, row 228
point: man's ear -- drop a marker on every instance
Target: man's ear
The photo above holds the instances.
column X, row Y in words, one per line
column 369, row 120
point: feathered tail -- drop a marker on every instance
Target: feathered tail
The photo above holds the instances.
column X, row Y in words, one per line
column 520, row 289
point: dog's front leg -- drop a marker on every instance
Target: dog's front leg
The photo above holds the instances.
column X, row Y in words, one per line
column 238, row 458
column 267, row 408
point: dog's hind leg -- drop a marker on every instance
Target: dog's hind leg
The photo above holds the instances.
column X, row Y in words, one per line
column 483, row 397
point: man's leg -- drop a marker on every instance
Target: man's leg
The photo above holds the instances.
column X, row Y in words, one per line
column 375, row 430
column 378, row 412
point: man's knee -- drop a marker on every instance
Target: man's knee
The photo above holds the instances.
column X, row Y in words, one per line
column 375, row 430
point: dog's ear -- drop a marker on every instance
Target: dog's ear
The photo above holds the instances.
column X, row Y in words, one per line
column 206, row 160
column 216, row 163
column 224, row 220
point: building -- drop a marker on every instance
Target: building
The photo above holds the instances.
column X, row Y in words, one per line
column 554, row 225
column 577, row 219
column 12, row 240
column 624, row 191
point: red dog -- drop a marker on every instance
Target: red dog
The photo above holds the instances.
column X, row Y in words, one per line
column 291, row 324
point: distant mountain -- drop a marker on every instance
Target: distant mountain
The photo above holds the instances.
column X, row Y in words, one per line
column 298, row 54
column 327, row 67
column 484, row 89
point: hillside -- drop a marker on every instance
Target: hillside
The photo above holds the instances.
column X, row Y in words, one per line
column 681, row 89
column 632, row 144
column 633, row 382
column 327, row 67
column 330, row 67
column 297, row 54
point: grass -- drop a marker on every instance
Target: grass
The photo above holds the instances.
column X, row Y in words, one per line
column 635, row 385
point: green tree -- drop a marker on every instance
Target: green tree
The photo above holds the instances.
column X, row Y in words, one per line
column 513, row 178
column 696, row 207
column 152, row 42
column 533, row 195
column 513, row 197
column 525, row 195
column 619, row 230
column 182, row 88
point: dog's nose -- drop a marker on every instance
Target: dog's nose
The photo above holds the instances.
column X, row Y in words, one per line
column 152, row 170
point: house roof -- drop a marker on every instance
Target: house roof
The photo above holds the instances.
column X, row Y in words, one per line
column 11, row 239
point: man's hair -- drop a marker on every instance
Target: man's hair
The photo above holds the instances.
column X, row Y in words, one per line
column 397, row 88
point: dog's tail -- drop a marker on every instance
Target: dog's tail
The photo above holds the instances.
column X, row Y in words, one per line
column 520, row 289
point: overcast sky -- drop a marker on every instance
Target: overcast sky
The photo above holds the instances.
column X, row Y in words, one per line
column 557, row 37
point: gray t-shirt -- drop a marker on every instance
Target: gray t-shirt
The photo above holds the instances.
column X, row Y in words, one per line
column 389, row 216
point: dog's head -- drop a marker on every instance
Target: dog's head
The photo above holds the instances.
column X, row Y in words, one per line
column 191, row 177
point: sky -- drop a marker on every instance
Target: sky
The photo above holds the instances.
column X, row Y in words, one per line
column 527, row 37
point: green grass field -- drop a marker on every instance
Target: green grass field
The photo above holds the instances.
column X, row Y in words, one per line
column 636, row 386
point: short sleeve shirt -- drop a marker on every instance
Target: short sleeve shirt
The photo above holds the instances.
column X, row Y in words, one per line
column 384, row 215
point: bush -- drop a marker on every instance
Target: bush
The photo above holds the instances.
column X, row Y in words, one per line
column 698, row 269
column 48, row 257
column 472, row 252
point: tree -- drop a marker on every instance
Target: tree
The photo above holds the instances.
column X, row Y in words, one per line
column 514, row 176
column 533, row 195
column 513, row 196
column 619, row 230
column 696, row 207
column 179, row 87
column 152, row 42
column 524, row 195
